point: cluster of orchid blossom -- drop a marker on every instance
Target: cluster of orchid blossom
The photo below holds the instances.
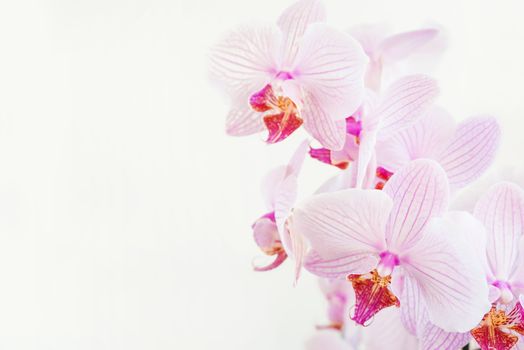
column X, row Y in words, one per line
column 398, row 268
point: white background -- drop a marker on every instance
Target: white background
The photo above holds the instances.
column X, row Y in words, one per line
column 125, row 211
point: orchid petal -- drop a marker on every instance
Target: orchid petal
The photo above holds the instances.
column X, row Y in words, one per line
column 435, row 338
column 516, row 280
column 293, row 23
column 471, row 150
column 330, row 133
column 419, row 191
column 445, row 266
column 241, row 120
column 404, row 102
column 286, row 193
column 425, row 139
column 413, row 310
column 370, row 36
column 330, row 65
column 344, row 223
column 299, row 249
column 275, row 178
column 270, row 183
column 296, row 161
column 396, row 47
column 386, row 332
column 244, row 61
column 365, row 154
column 278, row 259
column 501, row 210
column 339, row 267
column 414, row 316
column 333, row 184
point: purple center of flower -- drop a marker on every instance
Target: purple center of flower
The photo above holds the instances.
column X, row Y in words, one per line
column 283, row 75
column 387, row 263
column 506, row 295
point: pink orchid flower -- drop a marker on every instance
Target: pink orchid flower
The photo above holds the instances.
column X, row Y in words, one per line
column 399, row 107
column 372, row 238
column 379, row 118
column 269, row 231
column 386, row 50
column 300, row 72
column 501, row 210
column 465, row 150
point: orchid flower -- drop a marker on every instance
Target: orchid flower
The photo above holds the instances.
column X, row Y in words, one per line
column 270, row 232
column 300, row 72
column 398, row 108
column 372, row 238
column 465, row 150
column 386, row 50
column 501, row 210
column 380, row 118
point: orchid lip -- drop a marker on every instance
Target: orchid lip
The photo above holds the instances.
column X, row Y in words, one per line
column 281, row 116
column 372, row 294
column 500, row 329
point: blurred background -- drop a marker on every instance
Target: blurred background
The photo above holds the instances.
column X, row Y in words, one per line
column 125, row 210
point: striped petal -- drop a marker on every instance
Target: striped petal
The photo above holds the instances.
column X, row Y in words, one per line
column 339, row 267
column 344, row 223
column 386, row 332
column 425, row 139
column 419, row 192
column 444, row 264
column 435, row 338
column 330, row 65
column 317, row 121
column 242, row 120
column 404, row 102
column 501, row 210
column 412, row 311
column 244, row 60
column 293, row 23
column 414, row 316
column 471, row 150
column 285, row 192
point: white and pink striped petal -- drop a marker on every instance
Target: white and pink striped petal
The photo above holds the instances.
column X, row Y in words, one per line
column 501, row 210
column 471, row 150
column 444, row 264
column 293, row 23
column 419, row 192
column 330, row 65
column 246, row 59
column 344, row 223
